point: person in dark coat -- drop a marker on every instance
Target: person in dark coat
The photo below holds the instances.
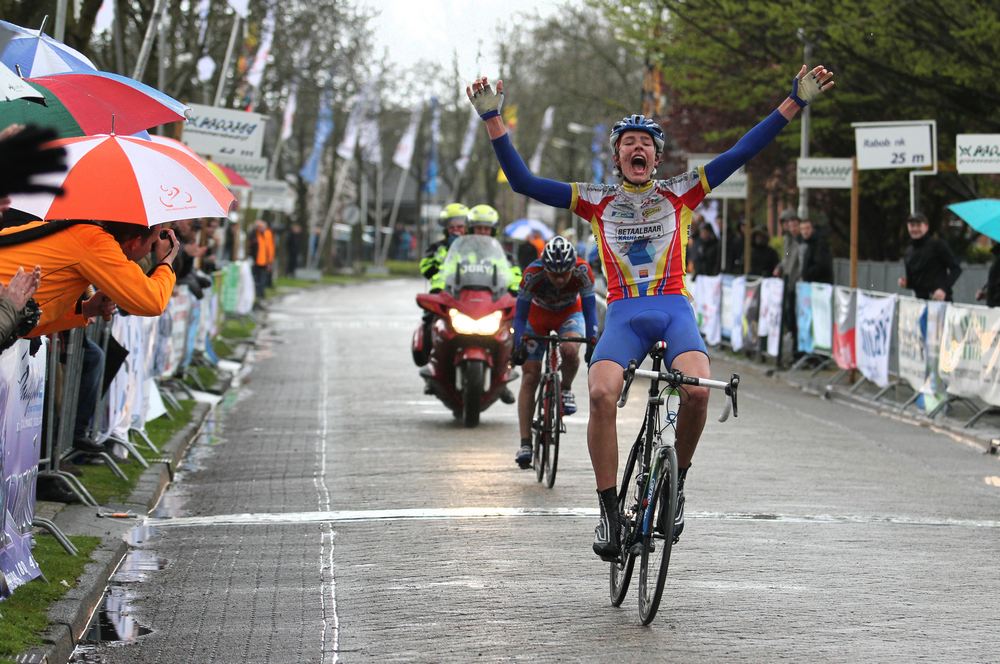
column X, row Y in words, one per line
column 706, row 260
column 763, row 257
column 991, row 290
column 931, row 268
column 817, row 261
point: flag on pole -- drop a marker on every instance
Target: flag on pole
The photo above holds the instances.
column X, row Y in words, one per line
column 468, row 141
column 256, row 71
column 289, row 116
column 241, row 7
column 105, row 17
column 403, row 156
column 353, row 128
column 597, row 152
column 369, row 138
column 543, row 137
column 324, row 127
column 430, row 185
column 203, row 7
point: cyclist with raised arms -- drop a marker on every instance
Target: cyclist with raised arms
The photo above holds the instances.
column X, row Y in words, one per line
column 642, row 227
column 557, row 294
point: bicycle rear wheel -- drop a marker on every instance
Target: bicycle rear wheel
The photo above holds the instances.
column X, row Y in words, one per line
column 621, row 572
column 553, row 424
column 658, row 536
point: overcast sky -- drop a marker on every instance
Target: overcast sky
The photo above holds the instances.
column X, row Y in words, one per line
column 433, row 30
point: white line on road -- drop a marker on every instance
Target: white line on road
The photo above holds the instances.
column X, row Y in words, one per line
column 349, row 516
column 329, row 583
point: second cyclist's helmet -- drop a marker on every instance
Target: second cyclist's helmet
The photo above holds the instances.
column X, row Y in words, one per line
column 636, row 122
column 451, row 211
column 484, row 215
column 559, row 255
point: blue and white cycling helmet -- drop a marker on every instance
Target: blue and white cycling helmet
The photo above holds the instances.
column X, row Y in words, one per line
column 636, row 122
column 559, row 255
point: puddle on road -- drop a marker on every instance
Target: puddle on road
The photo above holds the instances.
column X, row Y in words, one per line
column 137, row 566
column 112, row 623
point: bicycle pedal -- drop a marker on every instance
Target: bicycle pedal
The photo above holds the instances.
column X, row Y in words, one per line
column 636, row 549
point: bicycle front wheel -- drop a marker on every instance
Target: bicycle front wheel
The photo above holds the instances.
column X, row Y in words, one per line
column 657, row 536
column 539, row 447
column 553, row 424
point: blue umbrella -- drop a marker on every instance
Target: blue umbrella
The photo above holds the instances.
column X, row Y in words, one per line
column 522, row 228
column 37, row 54
column 982, row 214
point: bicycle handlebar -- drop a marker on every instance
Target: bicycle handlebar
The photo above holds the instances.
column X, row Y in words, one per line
column 676, row 379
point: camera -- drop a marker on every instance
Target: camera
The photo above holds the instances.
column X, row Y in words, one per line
column 164, row 235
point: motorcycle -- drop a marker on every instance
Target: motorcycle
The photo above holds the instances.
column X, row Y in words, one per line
column 471, row 340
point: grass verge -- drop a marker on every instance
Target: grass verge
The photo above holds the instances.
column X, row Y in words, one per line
column 24, row 615
column 107, row 487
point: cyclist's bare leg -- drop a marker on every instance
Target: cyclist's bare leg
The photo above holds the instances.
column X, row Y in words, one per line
column 570, row 361
column 526, row 397
column 606, row 380
column 691, row 419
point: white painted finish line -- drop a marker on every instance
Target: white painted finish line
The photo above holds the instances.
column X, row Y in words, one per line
column 348, row 516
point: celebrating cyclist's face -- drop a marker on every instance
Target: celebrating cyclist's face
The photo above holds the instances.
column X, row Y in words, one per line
column 456, row 227
column 558, row 279
column 636, row 157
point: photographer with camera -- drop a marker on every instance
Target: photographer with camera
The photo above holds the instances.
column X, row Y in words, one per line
column 75, row 254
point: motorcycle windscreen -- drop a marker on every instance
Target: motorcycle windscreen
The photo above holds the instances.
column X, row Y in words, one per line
column 476, row 262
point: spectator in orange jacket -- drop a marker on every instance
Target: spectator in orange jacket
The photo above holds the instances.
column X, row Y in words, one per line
column 260, row 248
column 74, row 256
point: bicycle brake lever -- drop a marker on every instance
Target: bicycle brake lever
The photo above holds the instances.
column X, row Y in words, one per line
column 629, row 375
column 734, row 384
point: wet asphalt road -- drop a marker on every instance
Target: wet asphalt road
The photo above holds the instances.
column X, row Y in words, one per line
column 338, row 514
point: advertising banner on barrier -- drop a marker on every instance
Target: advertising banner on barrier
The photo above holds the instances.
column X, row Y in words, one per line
column 935, row 333
column 918, row 329
column 244, row 302
column 708, row 305
column 738, row 295
column 803, row 316
column 874, row 335
column 726, row 308
column 22, row 398
column 230, row 288
column 751, row 313
column 772, row 295
column 970, row 352
column 844, row 300
column 822, row 319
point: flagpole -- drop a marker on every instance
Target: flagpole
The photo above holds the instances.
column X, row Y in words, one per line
column 224, row 70
column 338, row 187
column 60, row 29
column 147, row 42
column 403, row 177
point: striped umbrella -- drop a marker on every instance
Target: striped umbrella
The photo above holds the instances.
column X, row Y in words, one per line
column 79, row 104
column 226, row 175
column 37, row 54
column 122, row 178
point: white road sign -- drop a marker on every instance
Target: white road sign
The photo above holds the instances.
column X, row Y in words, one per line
column 977, row 153
column 254, row 170
column 734, row 187
column 274, row 195
column 894, row 145
column 218, row 132
column 824, row 173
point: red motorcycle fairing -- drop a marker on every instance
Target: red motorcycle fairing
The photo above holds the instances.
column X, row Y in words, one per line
column 460, row 359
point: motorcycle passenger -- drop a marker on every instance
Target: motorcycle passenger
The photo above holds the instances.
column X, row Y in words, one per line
column 453, row 220
column 556, row 294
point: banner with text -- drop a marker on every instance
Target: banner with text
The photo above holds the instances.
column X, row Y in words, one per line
column 218, row 132
column 772, row 296
column 708, row 301
column 822, row 318
column 803, row 316
column 874, row 335
column 843, row 327
column 970, row 352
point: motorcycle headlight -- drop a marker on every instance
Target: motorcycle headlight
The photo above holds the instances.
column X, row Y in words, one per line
column 487, row 325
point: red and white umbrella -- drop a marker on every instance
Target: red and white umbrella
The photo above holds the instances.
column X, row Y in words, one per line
column 128, row 179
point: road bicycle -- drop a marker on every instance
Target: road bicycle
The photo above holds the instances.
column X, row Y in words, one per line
column 648, row 495
column 547, row 425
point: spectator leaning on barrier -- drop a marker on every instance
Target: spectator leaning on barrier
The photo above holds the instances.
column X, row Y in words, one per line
column 18, row 311
column 817, row 259
column 75, row 254
column 991, row 289
column 931, row 268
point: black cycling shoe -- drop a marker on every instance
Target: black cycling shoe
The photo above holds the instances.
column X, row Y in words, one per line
column 523, row 457
column 606, row 536
column 507, row 396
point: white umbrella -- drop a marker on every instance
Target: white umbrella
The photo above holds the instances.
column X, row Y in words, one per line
column 522, row 228
column 12, row 87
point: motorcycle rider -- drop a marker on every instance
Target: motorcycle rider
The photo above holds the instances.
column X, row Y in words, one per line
column 557, row 293
column 453, row 219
